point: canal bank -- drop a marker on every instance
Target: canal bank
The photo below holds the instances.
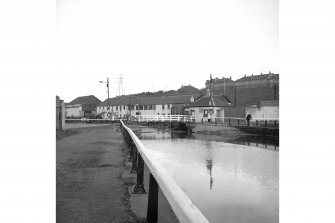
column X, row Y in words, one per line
column 89, row 186
column 93, row 180
column 243, row 135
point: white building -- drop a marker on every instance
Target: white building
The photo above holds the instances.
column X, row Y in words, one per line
column 130, row 105
column 208, row 108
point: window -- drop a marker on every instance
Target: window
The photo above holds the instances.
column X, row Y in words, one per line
column 154, row 107
column 117, row 108
column 124, row 107
column 163, row 106
column 168, row 106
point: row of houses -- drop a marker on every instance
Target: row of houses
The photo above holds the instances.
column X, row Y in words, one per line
column 206, row 106
column 201, row 104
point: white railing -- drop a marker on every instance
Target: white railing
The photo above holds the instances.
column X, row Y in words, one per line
column 164, row 118
column 93, row 119
column 181, row 204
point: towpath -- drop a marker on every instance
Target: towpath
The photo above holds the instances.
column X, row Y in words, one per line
column 89, row 185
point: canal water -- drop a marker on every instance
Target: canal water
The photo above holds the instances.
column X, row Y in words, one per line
column 228, row 182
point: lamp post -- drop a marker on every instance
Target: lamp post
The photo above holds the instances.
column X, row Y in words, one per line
column 107, row 94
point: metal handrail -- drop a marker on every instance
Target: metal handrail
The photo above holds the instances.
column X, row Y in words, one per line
column 181, row 204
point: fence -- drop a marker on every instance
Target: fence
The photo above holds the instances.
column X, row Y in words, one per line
column 164, row 118
column 259, row 122
column 60, row 114
column 87, row 120
column 180, row 203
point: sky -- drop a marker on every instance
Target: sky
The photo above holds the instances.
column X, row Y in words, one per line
column 161, row 45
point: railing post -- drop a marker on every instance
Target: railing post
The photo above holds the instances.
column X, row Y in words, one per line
column 152, row 210
column 216, row 121
column 238, row 122
column 134, row 158
column 266, row 123
column 256, row 122
column 139, row 187
column 202, row 121
column 275, row 123
column 229, row 121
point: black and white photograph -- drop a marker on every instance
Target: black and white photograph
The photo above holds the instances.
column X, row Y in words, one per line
column 169, row 111
column 187, row 111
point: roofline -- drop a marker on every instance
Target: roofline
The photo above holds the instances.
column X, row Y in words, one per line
column 191, row 106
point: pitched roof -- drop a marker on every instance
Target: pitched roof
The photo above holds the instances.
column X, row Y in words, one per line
column 176, row 99
column 222, row 80
column 120, row 100
column 188, row 88
column 211, row 101
column 84, row 100
column 259, row 77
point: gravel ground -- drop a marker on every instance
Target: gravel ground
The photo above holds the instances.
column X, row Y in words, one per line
column 89, row 186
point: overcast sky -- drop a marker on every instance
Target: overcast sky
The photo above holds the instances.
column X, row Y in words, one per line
column 160, row 45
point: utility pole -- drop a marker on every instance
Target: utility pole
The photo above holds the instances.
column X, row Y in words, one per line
column 120, row 90
column 108, row 94
column 107, row 84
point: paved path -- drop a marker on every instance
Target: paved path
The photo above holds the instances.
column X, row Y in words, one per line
column 89, row 184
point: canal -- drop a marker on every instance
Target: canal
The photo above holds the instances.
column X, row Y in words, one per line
column 228, row 179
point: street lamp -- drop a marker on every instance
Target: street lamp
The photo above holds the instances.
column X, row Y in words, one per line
column 107, row 83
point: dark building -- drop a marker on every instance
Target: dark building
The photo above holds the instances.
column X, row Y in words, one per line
column 82, row 105
column 248, row 90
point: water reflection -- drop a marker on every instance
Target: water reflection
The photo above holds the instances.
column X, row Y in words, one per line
column 246, row 178
column 246, row 174
column 248, row 140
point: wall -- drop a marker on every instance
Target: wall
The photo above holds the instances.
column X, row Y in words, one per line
column 60, row 114
column 250, row 95
column 158, row 110
column 218, row 112
column 268, row 112
column 73, row 111
column 238, row 112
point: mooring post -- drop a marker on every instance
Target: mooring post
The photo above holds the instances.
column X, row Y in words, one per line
column 229, row 121
column 202, row 121
column 256, row 122
column 275, row 123
column 139, row 187
column 266, row 123
column 152, row 210
column 216, row 121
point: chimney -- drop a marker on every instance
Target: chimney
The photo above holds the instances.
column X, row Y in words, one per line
column 192, row 99
column 208, row 93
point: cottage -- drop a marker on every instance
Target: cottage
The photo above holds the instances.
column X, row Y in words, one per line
column 81, row 106
column 132, row 105
column 208, row 108
column 118, row 106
